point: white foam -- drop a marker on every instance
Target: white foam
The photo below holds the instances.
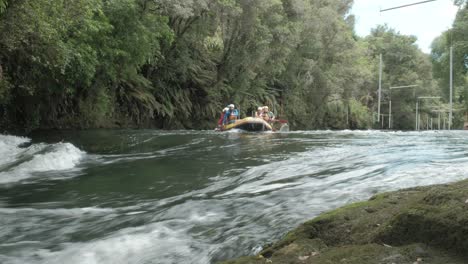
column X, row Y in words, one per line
column 64, row 156
column 9, row 148
column 56, row 157
column 132, row 245
column 58, row 211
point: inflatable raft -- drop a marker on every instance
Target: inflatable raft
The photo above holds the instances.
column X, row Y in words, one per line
column 250, row 124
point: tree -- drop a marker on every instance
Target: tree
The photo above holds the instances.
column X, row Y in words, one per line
column 404, row 64
column 457, row 39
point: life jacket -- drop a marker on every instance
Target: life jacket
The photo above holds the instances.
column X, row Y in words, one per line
column 268, row 116
column 233, row 115
column 230, row 116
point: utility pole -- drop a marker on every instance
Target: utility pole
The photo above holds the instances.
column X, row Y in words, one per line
column 380, row 86
column 451, row 88
column 417, row 123
column 347, row 117
column 438, row 123
column 390, row 114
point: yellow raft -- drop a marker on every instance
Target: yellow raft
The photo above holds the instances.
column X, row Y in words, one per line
column 251, row 124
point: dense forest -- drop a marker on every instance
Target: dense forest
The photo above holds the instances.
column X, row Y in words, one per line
column 176, row 63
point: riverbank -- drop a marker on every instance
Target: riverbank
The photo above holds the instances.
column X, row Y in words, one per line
column 416, row 225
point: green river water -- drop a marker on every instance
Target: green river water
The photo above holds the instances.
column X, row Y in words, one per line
column 145, row 196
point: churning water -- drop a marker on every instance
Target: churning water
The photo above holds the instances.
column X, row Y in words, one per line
column 146, row 196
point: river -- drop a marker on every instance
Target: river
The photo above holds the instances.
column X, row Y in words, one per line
column 145, row 196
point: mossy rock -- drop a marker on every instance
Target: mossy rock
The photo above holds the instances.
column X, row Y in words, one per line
column 416, row 225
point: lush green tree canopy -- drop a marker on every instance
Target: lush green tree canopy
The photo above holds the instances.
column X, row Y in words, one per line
column 177, row 63
column 457, row 39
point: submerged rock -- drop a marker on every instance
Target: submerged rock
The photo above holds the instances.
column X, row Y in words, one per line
column 417, row 225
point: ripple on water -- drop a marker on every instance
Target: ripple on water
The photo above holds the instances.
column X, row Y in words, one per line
column 200, row 196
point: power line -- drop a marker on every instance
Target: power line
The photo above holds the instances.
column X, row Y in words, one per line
column 418, row 3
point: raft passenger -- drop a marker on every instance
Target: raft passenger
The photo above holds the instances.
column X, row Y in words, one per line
column 259, row 113
column 268, row 115
column 221, row 118
column 231, row 115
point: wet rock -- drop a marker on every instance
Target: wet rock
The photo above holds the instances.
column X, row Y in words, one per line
column 422, row 225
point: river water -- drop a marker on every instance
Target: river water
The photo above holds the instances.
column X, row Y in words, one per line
column 144, row 196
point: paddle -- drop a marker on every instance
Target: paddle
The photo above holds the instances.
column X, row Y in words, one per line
column 282, row 121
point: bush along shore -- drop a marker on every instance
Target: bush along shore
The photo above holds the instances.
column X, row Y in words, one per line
column 416, row 225
column 175, row 64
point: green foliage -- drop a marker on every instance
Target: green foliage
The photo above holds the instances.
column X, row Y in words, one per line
column 361, row 117
column 176, row 64
column 457, row 39
column 459, row 2
column 5, row 87
column 3, row 6
column 348, row 115
column 71, row 56
column 403, row 64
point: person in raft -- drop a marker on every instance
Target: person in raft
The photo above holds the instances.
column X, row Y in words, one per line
column 268, row 115
column 231, row 115
column 259, row 113
column 221, row 118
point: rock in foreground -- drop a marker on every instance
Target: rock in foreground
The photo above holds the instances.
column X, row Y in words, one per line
column 417, row 225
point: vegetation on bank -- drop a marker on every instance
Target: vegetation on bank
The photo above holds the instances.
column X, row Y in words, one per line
column 417, row 225
column 177, row 63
